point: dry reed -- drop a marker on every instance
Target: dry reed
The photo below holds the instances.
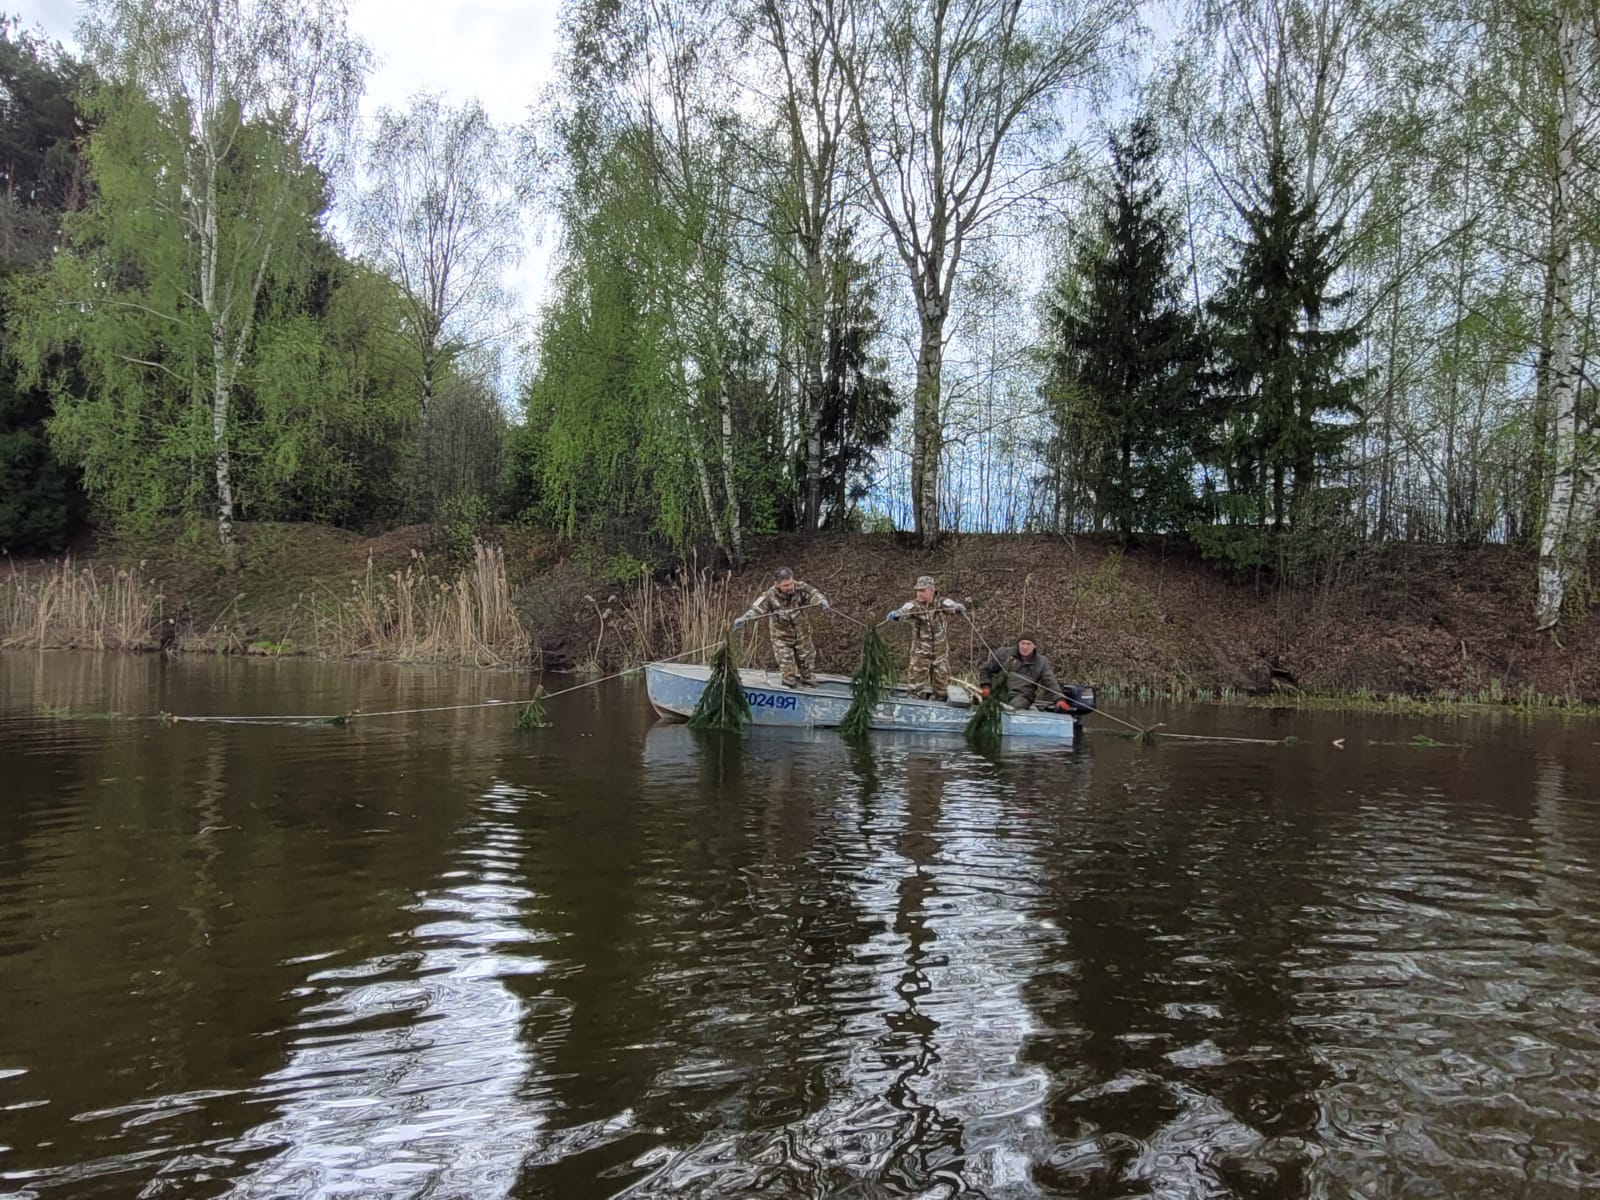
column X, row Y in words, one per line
column 59, row 606
column 413, row 615
column 641, row 619
column 692, row 613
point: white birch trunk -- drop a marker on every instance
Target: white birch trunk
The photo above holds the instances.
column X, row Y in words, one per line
column 703, row 476
column 730, row 490
column 1564, row 535
column 927, row 426
column 702, row 473
column 220, row 376
column 816, row 336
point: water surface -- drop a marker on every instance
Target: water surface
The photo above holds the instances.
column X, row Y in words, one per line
column 432, row 956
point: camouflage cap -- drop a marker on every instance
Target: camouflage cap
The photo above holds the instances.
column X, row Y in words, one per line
column 926, row 581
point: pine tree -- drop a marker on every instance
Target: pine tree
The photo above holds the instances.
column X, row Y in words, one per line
column 1287, row 403
column 1125, row 355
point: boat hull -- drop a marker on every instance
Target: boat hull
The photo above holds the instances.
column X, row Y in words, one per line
column 675, row 689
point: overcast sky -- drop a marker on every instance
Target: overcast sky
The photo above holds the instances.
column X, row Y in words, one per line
column 501, row 51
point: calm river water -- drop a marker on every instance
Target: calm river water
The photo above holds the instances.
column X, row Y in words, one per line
column 435, row 957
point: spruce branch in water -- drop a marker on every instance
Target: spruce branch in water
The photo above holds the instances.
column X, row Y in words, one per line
column 985, row 725
column 722, row 705
column 868, row 685
column 532, row 715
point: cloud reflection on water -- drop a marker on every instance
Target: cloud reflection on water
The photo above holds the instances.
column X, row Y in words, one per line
column 407, row 1075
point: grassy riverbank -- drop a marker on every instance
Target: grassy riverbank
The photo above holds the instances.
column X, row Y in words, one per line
column 1405, row 626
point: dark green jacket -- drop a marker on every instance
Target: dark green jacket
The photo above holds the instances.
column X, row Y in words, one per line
column 1031, row 677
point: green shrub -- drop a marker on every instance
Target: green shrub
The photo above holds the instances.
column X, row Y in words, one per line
column 459, row 525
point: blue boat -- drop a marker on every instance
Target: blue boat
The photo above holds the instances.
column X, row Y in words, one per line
column 675, row 689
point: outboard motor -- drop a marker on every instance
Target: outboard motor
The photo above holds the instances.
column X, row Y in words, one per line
column 1081, row 699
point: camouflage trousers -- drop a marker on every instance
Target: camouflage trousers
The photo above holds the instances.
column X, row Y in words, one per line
column 795, row 652
column 929, row 673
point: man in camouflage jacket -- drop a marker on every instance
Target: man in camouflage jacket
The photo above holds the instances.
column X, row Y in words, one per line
column 783, row 605
column 929, row 615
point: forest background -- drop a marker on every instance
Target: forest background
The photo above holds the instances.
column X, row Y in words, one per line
column 1286, row 287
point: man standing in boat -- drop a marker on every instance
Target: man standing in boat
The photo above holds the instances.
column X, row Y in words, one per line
column 929, row 614
column 1025, row 672
column 782, row 604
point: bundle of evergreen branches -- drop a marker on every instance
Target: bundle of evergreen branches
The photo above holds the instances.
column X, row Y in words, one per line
column 532, row 715
column 722, row 705
column 984, row 726
column 868, row 685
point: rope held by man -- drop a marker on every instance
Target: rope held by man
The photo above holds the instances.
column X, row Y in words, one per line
column 1142, row 731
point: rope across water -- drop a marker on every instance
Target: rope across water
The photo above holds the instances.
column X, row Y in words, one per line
column 541, row 696
column 1149, row 732
column 359, row 715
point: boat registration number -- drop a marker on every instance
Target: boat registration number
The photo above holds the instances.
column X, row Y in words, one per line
column 768, row 700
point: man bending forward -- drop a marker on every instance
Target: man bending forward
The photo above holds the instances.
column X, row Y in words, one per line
column 784, row 605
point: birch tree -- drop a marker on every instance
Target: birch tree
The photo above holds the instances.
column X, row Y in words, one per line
column 246, row 98
column 1569, row 515
column 654, row 192
column 1304, row 80
column 808, row 92
column 691, row 134
column 440, row 217
column 216, row 124
column 954, row 106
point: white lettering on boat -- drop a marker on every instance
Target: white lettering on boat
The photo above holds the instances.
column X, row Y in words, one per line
column 769, row 700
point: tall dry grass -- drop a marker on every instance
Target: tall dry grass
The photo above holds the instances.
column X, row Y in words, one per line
column 414, row 615
column 59, row 606
column 692, row 612
column 701, row 608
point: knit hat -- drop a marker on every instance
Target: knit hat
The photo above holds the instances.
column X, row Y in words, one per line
column 1028, row 637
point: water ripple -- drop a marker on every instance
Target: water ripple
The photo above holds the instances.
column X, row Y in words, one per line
column 621, row 960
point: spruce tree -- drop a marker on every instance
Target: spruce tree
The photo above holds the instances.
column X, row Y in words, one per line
column 1125, row 354
column 858, row 402
column 1286, row 402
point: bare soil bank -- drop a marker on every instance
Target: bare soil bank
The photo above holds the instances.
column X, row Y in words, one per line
column 1406, row 621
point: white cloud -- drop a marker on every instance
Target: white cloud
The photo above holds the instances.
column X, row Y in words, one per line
column 55, row 17
column 500, row 51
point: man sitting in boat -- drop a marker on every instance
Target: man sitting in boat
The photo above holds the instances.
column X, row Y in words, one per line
column 1027, row 676
column 929, row 614
column 782, row 604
